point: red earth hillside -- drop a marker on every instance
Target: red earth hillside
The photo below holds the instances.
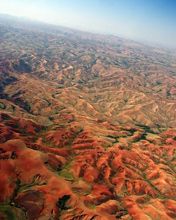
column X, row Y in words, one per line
column 87, row 126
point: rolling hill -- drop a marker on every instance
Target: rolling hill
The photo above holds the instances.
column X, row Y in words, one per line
column 87, row 125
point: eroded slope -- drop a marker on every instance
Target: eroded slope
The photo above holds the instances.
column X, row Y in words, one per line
column 87, row 126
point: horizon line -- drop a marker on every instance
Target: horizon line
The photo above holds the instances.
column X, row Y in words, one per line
column 142, row 42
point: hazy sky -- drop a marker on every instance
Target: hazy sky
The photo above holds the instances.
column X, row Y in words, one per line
column 146, row 20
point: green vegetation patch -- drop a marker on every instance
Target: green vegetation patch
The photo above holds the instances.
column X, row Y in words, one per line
column 65, row 173
column 153, row 136
column 91, row 206
column 2, row 106
column 12, row 213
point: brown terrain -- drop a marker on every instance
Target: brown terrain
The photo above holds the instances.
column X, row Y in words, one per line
column 87, row 126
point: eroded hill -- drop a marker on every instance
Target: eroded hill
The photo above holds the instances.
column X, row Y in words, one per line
column 87, row 126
